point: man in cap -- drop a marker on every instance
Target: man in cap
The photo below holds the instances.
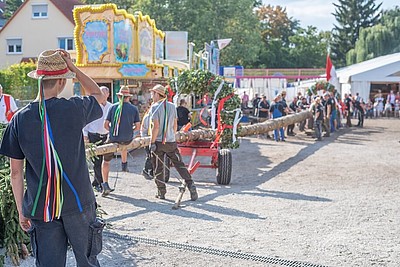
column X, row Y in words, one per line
column 122, row 119
column 58, row 205
column 164, row 117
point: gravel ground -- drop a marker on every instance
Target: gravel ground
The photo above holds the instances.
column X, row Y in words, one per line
column 298, row 203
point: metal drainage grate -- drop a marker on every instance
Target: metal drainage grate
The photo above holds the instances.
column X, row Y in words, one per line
column 211, row 251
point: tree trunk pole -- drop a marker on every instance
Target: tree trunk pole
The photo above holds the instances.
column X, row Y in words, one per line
column 209, row 134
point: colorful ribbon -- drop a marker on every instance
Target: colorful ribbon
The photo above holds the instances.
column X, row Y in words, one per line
column 117, row 118
column 51, row 165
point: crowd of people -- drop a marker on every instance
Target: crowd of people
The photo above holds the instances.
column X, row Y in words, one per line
column 330, row 111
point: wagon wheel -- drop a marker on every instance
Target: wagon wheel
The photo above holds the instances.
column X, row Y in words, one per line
column 167, row 165
column 224, row 170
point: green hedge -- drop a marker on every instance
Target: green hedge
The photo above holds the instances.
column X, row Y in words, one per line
column 15, row 81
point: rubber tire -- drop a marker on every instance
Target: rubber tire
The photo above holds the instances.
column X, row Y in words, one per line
column 224, row 170
column 166, row 173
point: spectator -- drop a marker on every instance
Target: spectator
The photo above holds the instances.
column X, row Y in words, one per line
column 348, row 105
column 183, row 114
column 328, row 103
column 254, row 103
column 303, row 105
column 378, row 104
column 7, row 107
column 318, row 111
column 263, row 111
column 245, row 100
column 276, row 111
column 293, row 108
column 391, row 99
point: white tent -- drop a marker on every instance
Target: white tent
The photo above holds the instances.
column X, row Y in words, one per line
column 358, row 78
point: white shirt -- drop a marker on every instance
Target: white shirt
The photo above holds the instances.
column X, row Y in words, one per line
column 97, row 126
column 13, row 107
column 391, row 98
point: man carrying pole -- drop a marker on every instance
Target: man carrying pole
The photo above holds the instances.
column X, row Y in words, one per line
column 164, row 118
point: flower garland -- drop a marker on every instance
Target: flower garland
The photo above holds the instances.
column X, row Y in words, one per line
column 320, row 85
column 200, row 82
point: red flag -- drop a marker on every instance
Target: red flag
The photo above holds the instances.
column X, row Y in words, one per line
column 330, row 70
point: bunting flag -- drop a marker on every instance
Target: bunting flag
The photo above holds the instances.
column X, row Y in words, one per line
column 223, row 43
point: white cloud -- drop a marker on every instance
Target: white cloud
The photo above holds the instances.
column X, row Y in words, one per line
column 317, row 13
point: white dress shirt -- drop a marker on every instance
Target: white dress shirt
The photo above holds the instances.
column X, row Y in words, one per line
column 13, row 107
column 97, row 126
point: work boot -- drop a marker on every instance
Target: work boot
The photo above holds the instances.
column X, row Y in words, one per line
column 147, row 174
column 193, row 192
column 161, row 193
column 106, row 189
column 124, row 166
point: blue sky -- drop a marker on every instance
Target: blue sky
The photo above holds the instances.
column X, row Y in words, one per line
column 317, row 12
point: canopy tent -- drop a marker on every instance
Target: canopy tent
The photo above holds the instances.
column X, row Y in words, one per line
column 358, row 78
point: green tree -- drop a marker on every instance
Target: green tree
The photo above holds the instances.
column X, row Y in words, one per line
column 351, row 16
column 122, row 4
column 276, row 28
column 11, row 7
column 379, row 40
column 309, row 48
column 207, row 20
column 15, row 81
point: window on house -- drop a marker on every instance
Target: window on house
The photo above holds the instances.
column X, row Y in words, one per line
column 39, row 11
column 66, row 43
column 14, row 46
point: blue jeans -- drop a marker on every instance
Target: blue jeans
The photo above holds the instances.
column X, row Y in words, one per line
column 50, row 240
column 277, row 114
column 318, row 128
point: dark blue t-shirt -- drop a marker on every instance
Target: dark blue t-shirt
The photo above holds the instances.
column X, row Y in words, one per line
column 319, row 110
column 23, row 140
column 129, row 116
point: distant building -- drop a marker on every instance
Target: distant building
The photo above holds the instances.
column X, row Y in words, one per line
column 37, row 25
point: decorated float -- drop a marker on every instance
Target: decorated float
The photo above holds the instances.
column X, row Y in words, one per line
column 117, row 48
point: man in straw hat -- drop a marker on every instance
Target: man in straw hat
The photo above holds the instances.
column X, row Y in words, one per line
column 164, row 117
column 122, row 119
column 58, row 206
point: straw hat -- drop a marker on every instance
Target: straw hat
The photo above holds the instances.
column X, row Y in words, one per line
column 51, row 65
column 124, row 91
column 159, row 89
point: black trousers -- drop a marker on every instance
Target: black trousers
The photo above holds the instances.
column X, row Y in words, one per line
column 170, row 149
column 97, row 139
